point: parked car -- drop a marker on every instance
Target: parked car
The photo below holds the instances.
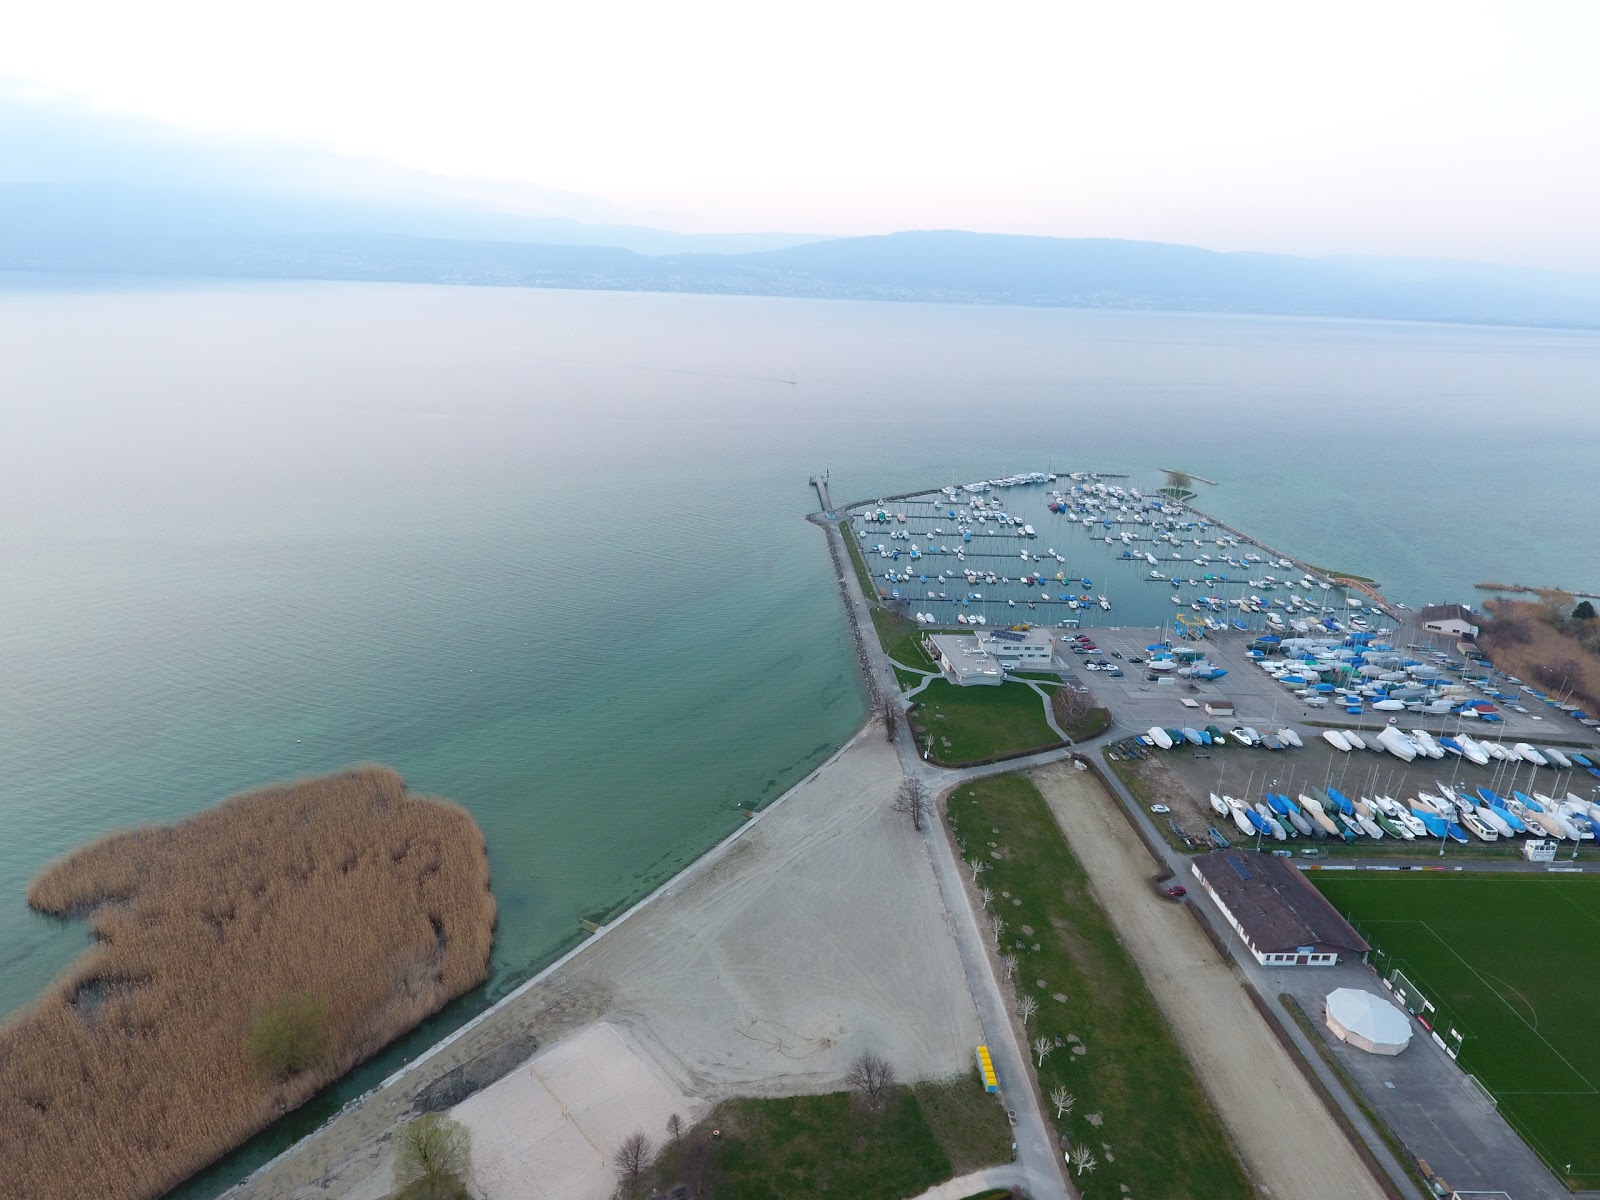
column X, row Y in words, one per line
column 1176, row 892
column 1159, row 808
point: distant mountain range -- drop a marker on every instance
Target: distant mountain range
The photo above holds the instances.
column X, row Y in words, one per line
column 78, row 229
column 84, row 191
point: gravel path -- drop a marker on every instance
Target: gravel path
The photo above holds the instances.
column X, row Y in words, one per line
column 1288, row 1143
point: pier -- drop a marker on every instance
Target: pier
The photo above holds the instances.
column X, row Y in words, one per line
column 820, row 482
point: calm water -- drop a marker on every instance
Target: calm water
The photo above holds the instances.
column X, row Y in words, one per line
column 543, row 551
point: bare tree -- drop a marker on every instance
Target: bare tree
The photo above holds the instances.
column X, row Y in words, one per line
column 872, row 1076
column 986, row 896
column 999, row 928
column 631, row 1160
column 1042, row 1047
column 911, row 798
column 1083, row 1158
column 1026, row 1007
column 1009, row 962
column 1063, row 1100
column 674, row 1126
column 1072, row 704
column 978, row 868
column 891, row 718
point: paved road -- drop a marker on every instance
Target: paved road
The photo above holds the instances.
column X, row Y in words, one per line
column 1037, row 1161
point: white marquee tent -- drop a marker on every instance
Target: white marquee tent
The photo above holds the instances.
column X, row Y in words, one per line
column 1367, row 1022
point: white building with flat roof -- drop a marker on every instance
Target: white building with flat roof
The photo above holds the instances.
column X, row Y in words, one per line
column 964, row 662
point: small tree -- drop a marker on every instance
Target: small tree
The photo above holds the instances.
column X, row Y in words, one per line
column 631, row 1160
column 871, row 1075
column 999, row 928
column 1026, row 1007
column 891, row 719
column 674, row 1126
column 1083, row 1158
column 986, row 896
column 978, row 868
column 1009, row 962
column 1042, row 1047
column 1063, row 1100
column 433, row 1159
column 911, row 798
column 1584, row 611
column 290, row 1036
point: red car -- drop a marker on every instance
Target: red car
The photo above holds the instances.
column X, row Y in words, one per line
column 1177, row 891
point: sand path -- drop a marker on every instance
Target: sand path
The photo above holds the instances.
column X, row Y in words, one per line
column 1288, row 1142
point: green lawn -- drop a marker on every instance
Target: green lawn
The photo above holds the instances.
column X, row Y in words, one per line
column 976, row 724
column 901, row 639
column 1509, row 961
column 804, row 1146
column 1165, row 1142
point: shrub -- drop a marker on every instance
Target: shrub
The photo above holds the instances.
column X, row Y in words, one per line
column 289, row 1037
column 433, row 1159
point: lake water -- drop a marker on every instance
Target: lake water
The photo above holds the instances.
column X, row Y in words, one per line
column 544, row 551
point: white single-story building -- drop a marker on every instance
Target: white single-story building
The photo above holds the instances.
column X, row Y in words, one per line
column 965, row 663
column 1283, row 920
column 1452, row 619
column 1218, row 706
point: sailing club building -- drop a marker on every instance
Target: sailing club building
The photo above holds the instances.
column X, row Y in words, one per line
column 1275, row 910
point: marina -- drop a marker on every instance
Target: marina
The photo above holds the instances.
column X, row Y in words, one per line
column 1377, row 727
column 1083, row 549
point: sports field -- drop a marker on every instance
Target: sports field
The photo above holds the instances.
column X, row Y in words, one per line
column 1513, row 962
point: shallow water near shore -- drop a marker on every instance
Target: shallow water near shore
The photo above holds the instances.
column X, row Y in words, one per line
column 543, row 551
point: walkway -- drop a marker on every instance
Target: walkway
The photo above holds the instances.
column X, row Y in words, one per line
column 976, row 1183
column 1038, row 1162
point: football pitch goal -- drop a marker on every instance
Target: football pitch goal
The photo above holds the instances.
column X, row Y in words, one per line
column 1507, row 967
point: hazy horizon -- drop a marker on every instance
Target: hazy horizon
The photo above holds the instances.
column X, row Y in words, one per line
column 1460, row 132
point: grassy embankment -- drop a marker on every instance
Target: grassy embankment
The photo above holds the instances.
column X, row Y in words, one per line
column 869, row 589
column 348, row 906
column 1138, row 1103
column 1504, row 959
column 835, row 1145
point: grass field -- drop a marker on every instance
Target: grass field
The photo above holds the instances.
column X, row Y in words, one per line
column 1509, row 960
column 802, row 1146
column 1138, row 1103
column 975, row 724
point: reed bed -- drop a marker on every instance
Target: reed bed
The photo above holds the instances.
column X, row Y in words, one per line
column 1538, row 643
column 131, row 1071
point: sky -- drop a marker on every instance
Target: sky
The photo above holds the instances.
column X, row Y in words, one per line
column 1460, row 129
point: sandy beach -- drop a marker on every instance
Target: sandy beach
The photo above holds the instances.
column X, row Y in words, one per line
column 762, row 969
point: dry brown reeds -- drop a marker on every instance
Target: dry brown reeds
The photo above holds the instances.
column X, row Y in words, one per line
column 131, row 1072
column 1532, row 640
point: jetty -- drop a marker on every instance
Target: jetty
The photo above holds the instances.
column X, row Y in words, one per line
column 820, row 482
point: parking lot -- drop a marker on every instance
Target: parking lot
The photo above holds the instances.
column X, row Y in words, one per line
column 1137, row 702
